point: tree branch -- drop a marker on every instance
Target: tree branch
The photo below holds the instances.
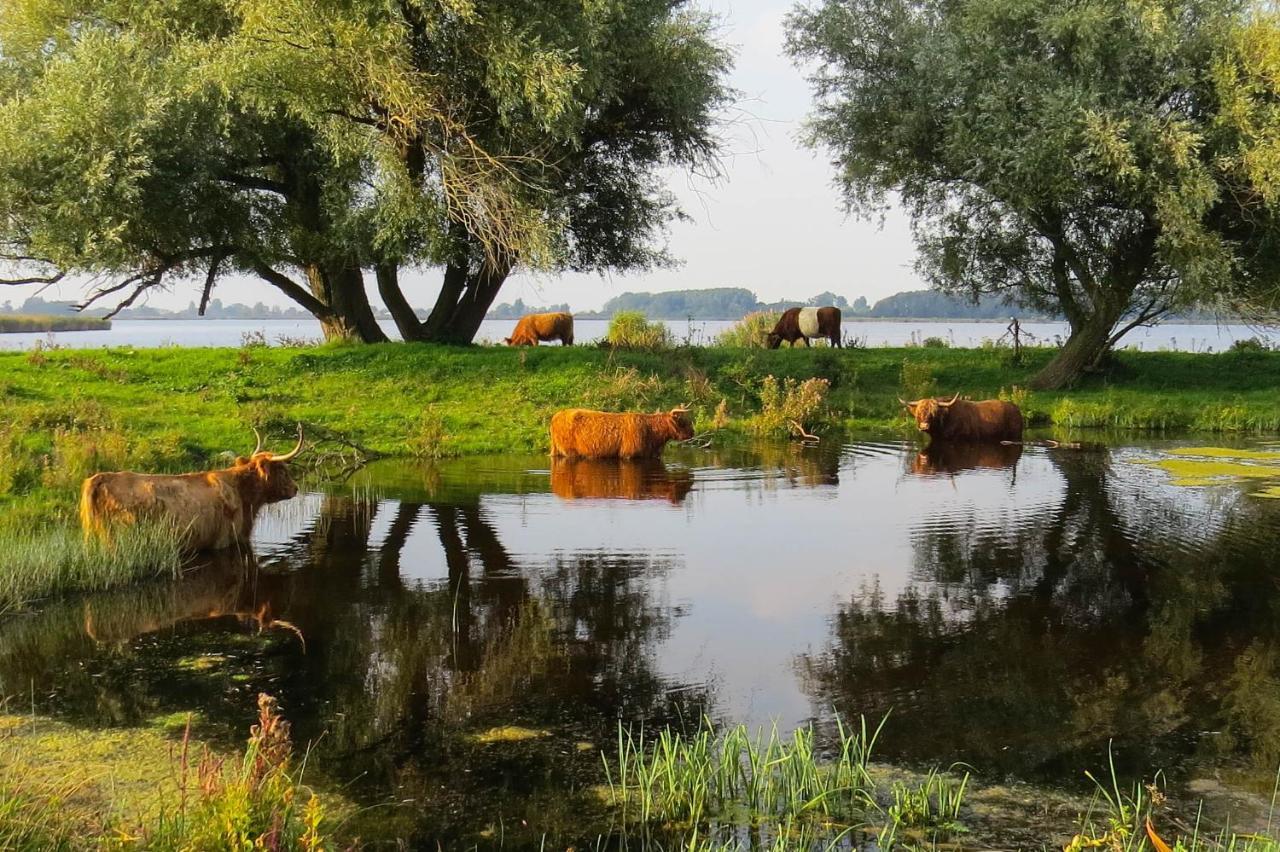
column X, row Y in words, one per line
column 292, row 289
column 210, row 278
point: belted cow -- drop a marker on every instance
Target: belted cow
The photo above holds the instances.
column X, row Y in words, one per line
column 535, row 327
column 210, row 510
column 959, row 419
column 581, row 433
column 804, row 323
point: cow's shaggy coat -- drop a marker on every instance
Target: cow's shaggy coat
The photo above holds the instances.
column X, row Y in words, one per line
column 804, row 323
column 535, row 327
column 961, row 420
column 581, row 433
column 211, row 510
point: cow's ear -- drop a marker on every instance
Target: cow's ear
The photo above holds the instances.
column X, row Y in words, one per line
column 241, row 460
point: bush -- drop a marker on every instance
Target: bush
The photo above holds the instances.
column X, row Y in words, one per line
column 1250, row 345
column 781, row 404
column 935, row 343
column 750, row 332
column 917, row 380
column 630, row 330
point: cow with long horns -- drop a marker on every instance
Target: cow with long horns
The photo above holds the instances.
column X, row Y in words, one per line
column 959, row 419
column 582, row 433
column 211, row 510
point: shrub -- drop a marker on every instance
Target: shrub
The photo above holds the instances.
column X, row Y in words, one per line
column 790, row 401
column 917, row 380
column 1250, row 345
column 622, row 389
column 750, row 332
column 935, row 343
column 630, row 330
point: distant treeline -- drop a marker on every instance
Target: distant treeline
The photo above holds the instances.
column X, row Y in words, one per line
column 35, row 323
column 733, row 303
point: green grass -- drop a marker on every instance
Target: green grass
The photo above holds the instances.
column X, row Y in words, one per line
column 38, row 563
column 70, row 789
column 67, row 413
column 36, row 323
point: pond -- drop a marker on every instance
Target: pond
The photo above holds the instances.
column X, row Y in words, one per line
column 462, row 640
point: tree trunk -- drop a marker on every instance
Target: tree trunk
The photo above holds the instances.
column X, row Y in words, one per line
column 393, row 297
column 1085, row 347
column 482, row 289
column 341, row 287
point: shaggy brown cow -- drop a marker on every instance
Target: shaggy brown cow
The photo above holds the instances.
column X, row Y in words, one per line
column 636, row 479
column 211, row 510
column 959, row 419
column 943, row 457
column 578, row 432
column 534, row 327
column 804, row 323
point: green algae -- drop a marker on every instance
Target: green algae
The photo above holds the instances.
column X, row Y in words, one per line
column 508, row 734
column 1198, row 467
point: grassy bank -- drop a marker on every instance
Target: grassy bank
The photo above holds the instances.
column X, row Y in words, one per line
column 37, row 323
column 68, row 413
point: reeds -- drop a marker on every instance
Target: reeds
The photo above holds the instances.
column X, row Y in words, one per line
column 739, row 776
column 55, row 561
column 630, row 330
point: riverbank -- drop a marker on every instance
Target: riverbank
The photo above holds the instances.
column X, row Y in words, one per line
column 38, row 324
column 69, row 413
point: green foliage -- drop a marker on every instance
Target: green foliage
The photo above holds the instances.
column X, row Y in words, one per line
column 427, row 441
column 786, row 404
column 45, row 562
column 1070, row 155
column 932, row 805
column 29, row 323
column 630, row 330
column 148, row 143
column 917, row 380
column 750, row 332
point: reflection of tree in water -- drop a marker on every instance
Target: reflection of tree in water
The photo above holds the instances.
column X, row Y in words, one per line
column 396, row 675
column 1117, row 613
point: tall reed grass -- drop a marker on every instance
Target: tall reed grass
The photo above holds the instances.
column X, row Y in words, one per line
column 734, row 773
column 630, row 330
column 59, row 560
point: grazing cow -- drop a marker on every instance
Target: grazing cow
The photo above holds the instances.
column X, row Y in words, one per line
column 804, row 323
column 959, row 419
column 578, row 432
column 638, row 479
column 534, row 327
column 210, row 510
column 942, row 457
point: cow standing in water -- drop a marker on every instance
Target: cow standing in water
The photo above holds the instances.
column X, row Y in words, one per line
column 211, row 510
column 805, row 323
column 582, row 433
column 959, row 419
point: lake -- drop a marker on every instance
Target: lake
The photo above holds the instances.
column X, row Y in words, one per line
column 156, row 333
column 1022, row 611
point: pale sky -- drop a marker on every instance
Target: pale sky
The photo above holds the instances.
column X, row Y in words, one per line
column 773, row 224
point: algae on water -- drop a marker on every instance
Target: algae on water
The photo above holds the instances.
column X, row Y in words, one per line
column 1194, row 467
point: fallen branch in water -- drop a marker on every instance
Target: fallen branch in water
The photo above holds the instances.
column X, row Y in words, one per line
column 799, row 432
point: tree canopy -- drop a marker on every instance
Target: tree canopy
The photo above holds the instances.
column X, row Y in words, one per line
column 310, row 141
column 1107, row 161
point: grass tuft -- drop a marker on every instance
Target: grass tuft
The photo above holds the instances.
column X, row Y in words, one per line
column 630, row 330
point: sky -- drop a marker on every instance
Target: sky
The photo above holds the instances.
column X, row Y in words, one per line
column 772, row 224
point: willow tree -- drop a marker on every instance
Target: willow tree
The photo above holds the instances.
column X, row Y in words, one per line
column 307, row 142
column 1108, row 161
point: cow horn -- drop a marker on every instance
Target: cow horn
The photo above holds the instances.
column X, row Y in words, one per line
column 908, row 404
column 258, row 447
column 949, row 403
column 292, row 454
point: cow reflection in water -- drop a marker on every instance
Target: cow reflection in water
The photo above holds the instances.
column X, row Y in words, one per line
column 629, row 479
column 946, row 457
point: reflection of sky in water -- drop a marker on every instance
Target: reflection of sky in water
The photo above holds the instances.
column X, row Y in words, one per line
column 760, row 558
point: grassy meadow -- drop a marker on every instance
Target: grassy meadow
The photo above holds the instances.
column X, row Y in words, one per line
column 69, row 413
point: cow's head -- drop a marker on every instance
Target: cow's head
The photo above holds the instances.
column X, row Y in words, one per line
column 681, row 423
column 930, row 414
column 774, row 340
column 269, row 472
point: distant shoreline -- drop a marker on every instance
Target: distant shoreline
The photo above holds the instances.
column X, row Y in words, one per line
column 37, row 324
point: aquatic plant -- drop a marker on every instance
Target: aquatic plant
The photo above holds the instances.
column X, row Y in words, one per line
column 933, row 804
column 788, row 404
column 40, row 563
column 733, row 773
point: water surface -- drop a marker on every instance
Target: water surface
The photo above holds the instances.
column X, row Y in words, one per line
column 1018, row 610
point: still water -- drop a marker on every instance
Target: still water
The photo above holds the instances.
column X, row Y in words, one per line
column 1017, row 610
column 148, row 334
